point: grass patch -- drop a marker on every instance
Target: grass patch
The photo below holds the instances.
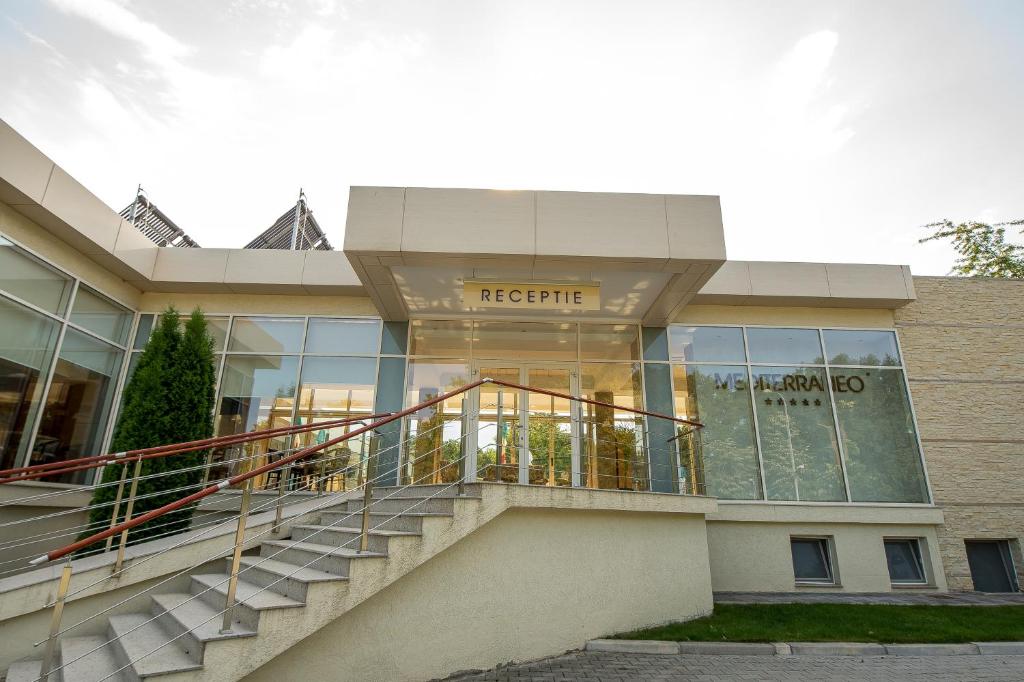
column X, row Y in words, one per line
column 845, row 623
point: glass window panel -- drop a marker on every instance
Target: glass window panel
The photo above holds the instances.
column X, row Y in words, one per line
column 266, row 335
column 217, row 327
column 612, row 454
column 32, row 280
column 798, row 438
column 497, row 457
column 27, row 342
column 706, row 344
column 609, row 342
column 789, row 346
column 549, row 428
column 441, row 338
column 883, row 461
column 991, row 565
column 718, row 396
column 78, row 402
column 394, row 340
column 100, row 315
column 525, row 340
column 434, row 434
column 341, row 336
column 257, row 392
column 143, row 331
column 904, row 560
column 861, row 347
column 811, row 562
column 339, row 386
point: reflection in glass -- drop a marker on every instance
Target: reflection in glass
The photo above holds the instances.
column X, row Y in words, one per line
column 706, row 344
column 331, row 389
column 613, row 455
column 101, row 316
column 549, row 428
column 524, row 340
column 883, row 461
column 216, row 327
column 143, row 331
column 861, row 347
column 32, row 280
column 266, row 335
column 394, row 339
column 784, row 346
column 78, row 402
column 440, row 338
column 257, row 392
column 27, row 341
column 498, row 433
column 342, row 336
column 798, row 439
column 434, row 434
column 609, row 342
column 718, row 396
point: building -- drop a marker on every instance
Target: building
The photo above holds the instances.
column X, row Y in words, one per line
column 860, row 427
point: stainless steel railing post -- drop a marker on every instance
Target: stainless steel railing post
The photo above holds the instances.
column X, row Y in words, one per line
column 236, row 556
column 58, row 612
column 464, row 451
column 117, row 505
column 371, row 473
column 128, row 516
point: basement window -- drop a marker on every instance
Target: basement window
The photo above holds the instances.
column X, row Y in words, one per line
column 903, row 556
column 812, row 561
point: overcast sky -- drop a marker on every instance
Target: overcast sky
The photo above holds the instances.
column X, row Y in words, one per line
column 832, row 130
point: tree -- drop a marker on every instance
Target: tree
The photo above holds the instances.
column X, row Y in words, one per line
column 983, row 249
column 169, row 399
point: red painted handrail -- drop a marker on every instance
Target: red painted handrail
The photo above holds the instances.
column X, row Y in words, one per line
column 83, row 463
column 285, row 461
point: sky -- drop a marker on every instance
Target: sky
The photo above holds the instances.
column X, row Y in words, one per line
column 833, row 131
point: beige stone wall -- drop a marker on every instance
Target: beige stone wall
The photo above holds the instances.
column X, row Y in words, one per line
column 963, row 345
column 258, row 304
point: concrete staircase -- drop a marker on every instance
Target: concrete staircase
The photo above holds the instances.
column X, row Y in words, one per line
column 313, row 577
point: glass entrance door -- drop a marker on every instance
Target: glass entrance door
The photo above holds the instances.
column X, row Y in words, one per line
column 527, row 437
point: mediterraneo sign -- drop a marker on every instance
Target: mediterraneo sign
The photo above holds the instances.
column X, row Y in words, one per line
column 532, row 295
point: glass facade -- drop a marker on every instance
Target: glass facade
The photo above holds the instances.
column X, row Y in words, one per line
column 834, row 431
column 789, row 414
column 62, row 350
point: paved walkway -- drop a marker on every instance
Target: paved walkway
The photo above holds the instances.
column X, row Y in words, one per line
column 607, row 667
column 930, row 598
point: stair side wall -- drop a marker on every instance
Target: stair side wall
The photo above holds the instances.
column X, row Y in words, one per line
column 532, row 583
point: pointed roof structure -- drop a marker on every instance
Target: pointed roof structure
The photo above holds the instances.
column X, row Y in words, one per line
column 296, row 230
column 154, row 223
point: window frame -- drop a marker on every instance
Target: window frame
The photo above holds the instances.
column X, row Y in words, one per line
column 918, row 551
column 826, row 549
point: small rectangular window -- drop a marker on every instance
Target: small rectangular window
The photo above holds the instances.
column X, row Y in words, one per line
column 812, row 562
column 904, row 560
column 991, row 565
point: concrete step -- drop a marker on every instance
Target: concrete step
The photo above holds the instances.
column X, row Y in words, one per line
column 440, row 490
column 327, row 558
column 397, row 505
column 250, row 598
column 196, row 621
column 290, row 580
column 377, row 540
column 411, row 522
column 89, row 658
column 28, row 671
column 145, row 647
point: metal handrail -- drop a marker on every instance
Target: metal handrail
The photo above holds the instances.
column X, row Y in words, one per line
column 83, row 463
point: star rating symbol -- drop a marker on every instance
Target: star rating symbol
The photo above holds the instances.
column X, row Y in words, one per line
column 767, row 401
column 780, row 401
column 817, row 402
column 806, row 402
column 792, row 401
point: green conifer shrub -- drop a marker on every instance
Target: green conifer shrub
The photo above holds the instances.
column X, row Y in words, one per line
column 169, row 399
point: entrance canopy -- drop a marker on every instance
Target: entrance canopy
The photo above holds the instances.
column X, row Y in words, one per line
column 423, row 252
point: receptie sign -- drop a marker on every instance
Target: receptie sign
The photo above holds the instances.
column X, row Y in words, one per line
column 532, row 295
